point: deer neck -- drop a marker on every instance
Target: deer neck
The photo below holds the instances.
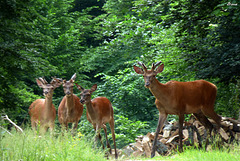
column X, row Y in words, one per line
column 159, row 90
column 90, row 110
column 48, row 104
column 70, row 102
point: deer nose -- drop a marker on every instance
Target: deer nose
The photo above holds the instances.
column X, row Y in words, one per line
column 45, row 92
column 147, row 84
column 82, row 101
column 68, row 93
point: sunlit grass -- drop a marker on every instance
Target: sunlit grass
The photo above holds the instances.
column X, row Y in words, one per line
column 28, row 146
column 231, row 153
column 202, row 155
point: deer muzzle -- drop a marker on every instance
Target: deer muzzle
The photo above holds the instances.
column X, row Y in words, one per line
column 147, row 84
column 45, row 93
column 82, row 101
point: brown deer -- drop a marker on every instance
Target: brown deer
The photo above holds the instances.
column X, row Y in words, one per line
column 179, row 98
column 70, row 109
column 42, row 111
column 99, row 112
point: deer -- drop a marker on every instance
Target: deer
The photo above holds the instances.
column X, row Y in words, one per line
column 42, row 111
column 70, row 109
column 99, row 112
column 179, row 98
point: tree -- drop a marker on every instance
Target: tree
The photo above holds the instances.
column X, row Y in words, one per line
column 209, row 37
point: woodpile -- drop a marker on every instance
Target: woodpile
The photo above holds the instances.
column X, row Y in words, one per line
column 194, row 134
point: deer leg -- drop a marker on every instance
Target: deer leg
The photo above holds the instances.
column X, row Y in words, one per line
column 209, row 111
column 51, row 128
column 181, row 119
column 34, row 125
column 203, row 119
column 111, row 123
column 161, row 120
column 74, row 128
column 107, row 142
column 100, row 139
column 98, row 135
column 206, row 123
column 65, row 126
column 42, row 129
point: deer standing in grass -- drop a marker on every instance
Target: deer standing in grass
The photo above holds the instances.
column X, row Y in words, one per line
column 99, row 112
column 179, row 98
column 42, row 111
column 70, row 109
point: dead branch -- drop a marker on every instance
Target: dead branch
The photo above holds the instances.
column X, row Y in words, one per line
column 6, row 130
column 16, row 127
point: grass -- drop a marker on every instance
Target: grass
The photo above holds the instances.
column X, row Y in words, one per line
column 29, row 146
column 200, row 155
column 231, row 153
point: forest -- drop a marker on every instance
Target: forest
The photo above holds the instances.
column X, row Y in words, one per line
column 101, row 40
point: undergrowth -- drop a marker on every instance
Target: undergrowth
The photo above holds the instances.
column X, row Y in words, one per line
column 29, row 146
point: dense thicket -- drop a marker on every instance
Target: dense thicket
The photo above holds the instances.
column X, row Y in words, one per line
column 101, row 40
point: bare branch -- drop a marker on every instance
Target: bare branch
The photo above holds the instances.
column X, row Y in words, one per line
column 6, row 131
column 17, row 127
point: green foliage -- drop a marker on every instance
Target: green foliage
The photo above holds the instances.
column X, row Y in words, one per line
column 123, row 89
column 127, row 130
column 102, row 40
column 228, row 102
column 209, row 37
column 28, row 146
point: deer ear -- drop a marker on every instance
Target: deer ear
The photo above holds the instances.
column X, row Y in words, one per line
column 73, row 77
column 138, row 70
column 80, row 88
column 58, row 82
column 160, row 68
column 94, row 88
column 39, row 83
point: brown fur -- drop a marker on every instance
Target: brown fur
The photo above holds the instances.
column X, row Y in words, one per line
column 70, row 114
column 179, row 98
column 99, row 112
column 70, row 109
column 42, row 111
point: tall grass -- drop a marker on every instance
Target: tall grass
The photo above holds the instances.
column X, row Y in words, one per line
column 29, row 146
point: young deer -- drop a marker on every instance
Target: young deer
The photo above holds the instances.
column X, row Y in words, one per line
column 179, row 98
column 99, row 112
column 70, row 109
column 42, row 111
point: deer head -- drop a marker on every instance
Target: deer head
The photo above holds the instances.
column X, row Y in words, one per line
column 68, row 85
column 48, row 87
column 149, row 75
column 86, row 93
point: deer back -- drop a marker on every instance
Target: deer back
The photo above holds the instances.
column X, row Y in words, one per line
column 102, row 108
